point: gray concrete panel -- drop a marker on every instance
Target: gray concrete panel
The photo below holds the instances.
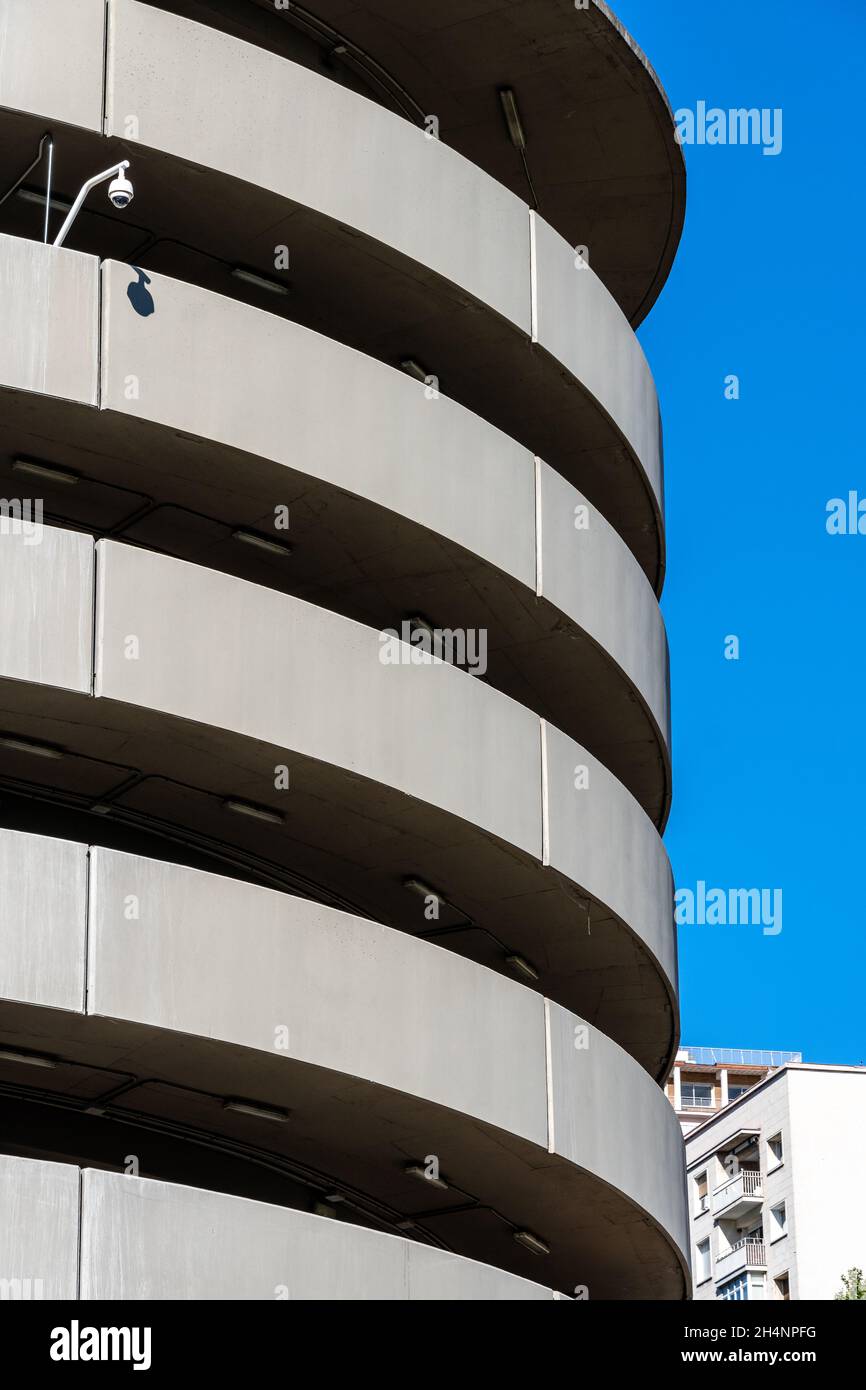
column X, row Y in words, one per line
column 46, row 618
column 240, row 657
column 43, row 920
column 48, row 308
column 51, row 59
column 38, row 1229
column 601, row 1103
column 351, row 995
column 143, row 1239
column 311, row 140
column 602, row 840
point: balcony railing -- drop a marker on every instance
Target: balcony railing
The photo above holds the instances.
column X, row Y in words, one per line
column 746, row 1254
column 743, row 1187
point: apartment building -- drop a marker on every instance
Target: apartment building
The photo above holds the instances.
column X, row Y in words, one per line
column 705, row 1079
column 772, row 1184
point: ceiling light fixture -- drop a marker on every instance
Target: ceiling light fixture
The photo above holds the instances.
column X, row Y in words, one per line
column 532, row 1242
column 24, row 745
column 29, row 195
column 415, row 369
column 258, row 1112
column 417, row 1170
column 422, row 890
column 30, row 1059
column 246, row 808
column 521, row 966
column 512, row 118
column 261, row 542
column 46, row 471
column 261, row 282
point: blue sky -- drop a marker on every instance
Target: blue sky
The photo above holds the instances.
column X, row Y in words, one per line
column 769, row 750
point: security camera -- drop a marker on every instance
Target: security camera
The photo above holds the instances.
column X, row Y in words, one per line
column 120, row 192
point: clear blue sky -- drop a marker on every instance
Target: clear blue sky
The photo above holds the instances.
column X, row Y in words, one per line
column 769, row 751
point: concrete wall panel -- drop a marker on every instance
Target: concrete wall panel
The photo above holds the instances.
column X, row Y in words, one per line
column 46, row 618
column 143, row 1239
column 38, row 1229
column 213, row 367
column 592, row 575
column 601, row 839
column 356, row 997
column 600, row 1103
column 312, row 141
column 582, row 326
column 48, row 309
column 42, row 922
column 241, row 657
column 51, row 59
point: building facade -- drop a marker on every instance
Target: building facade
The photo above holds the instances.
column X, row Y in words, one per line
column 706, row 1079
column 338, row 955
column 772, row 1187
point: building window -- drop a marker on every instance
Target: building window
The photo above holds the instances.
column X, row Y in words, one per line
column 778, row 1222
column 743, row 1288
column 702, row 1196
column 783, row 1289
column 734, row 1289
column 696, row 1095
column 775, row 1152
column 702, row 1264
column 734, row 1092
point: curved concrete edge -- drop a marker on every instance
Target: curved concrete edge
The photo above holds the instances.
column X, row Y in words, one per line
column 302, row 678
column 665, row 116
column 335, row 992
column 320, row 135
column 223, row 371
column 590, row 574
column 285, row 667
column 68, row 1234
column 585, row 806
column 580, row 324
column 145, row 1239
column 321, row 145
column 587, row 1069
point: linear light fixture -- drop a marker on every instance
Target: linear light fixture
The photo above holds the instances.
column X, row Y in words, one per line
column 521, row 966
column 417, row 1170
column 46, row 471
column 30, row 1059
column 25, row 745
column 261, row 542
column 415, row 369
column 532, row 1242
column 246, row 808
column 512, row 118
column 29, row 195
column 258, row 1112
column 261, row 282
column 422, row 890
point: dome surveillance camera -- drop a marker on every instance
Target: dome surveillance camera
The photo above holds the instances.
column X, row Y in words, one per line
column 120, row 192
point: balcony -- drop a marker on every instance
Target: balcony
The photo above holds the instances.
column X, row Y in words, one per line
column 738, row 1195
column 746, row 1254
